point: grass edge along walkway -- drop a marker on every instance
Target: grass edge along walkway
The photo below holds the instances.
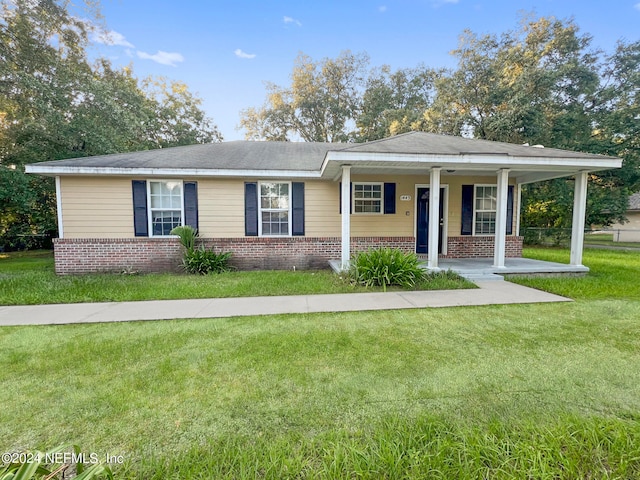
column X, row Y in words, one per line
column 490, row 293
column 28, row 278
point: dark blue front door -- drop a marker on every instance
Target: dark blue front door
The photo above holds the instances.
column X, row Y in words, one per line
column 422, row 220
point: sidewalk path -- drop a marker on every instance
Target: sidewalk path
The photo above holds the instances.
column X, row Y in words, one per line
column 489, row 293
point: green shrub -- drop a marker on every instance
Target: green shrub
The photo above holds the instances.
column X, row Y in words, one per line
column 386, row 266
column 187, row 236
column 201, row 261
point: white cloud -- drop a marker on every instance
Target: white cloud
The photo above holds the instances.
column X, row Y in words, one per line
column 288, row 20
column 439, row 3
column 163, row 58
column 637, row 6
column 240, row 54
column 111, row 38
column 382, row 8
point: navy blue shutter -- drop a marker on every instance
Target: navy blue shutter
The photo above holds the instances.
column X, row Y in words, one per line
column 191, row 204
column 251, row 209
column 389, row 198
column 297, row 208
column 510, row 210
column 140, row 219
column 467, row 210
column 350, row 196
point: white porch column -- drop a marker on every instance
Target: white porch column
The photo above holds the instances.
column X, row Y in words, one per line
column 346, row 216
column 59, row 207
column 517, row 208
column 434, row 217
column 501, row 219
column 579, row 214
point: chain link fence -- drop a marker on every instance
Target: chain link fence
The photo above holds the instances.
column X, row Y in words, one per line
column 561, row 237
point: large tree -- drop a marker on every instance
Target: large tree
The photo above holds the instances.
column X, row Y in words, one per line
column 395, row 102
column 320, row 105
column 534, row 84
column 55, row 103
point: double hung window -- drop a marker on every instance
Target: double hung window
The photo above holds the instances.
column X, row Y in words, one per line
column 165, row 206
column 275, row 209
column 485, row 209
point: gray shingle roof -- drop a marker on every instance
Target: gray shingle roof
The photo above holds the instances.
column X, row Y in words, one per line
column 237, row 155
column 634, row 201
column 434, row 144
column 305, row 156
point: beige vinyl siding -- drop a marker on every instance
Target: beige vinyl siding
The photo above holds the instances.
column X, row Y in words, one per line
column 96, row 207
column 322, row 209
column 221, row 208
column 323, row 218
column 102, row 207
column 455, row 199
column 385, row 225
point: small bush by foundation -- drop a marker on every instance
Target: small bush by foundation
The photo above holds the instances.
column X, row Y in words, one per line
column 199, row 260
column 386, row 267
column 203, row 261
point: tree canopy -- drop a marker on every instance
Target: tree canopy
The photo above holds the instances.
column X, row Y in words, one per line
column 55, row 103
column 319, row 106
column 541, row 83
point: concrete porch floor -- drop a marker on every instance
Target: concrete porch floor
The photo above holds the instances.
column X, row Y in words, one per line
column 482, row 268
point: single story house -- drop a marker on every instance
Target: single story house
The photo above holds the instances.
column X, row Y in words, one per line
column 285, row 204
column 630, row 231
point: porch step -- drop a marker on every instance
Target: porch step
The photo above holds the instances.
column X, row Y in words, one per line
column 478, row 276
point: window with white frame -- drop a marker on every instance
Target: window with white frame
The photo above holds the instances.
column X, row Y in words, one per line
column 485, row 209
column 165, row 206
column 367, row 197
column 275, row 206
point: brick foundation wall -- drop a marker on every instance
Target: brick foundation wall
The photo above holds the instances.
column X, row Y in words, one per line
column 74, row 256
column 90, row 255
column 256, row 253
column 467, row 246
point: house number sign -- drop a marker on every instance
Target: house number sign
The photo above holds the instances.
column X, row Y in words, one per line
column 405, row 198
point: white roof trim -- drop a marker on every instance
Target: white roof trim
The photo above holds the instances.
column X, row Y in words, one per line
column 169, row 172
column 477, row 162
column 499, row 161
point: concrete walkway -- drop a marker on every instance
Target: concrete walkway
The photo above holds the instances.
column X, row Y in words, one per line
column 489, row 293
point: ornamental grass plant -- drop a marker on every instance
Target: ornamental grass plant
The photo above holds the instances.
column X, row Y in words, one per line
column 200, row 260
column 383, row 267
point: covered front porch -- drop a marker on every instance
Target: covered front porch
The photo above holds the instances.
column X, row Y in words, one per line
column 455, row 174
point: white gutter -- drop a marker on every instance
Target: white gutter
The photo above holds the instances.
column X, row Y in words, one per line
column 168, row 172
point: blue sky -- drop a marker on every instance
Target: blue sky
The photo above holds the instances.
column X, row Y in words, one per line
column 226, row 50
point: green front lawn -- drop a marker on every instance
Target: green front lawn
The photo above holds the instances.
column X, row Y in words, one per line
column 544, row 391
column 613, row 274
column 500, row 392
column 28, row 278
